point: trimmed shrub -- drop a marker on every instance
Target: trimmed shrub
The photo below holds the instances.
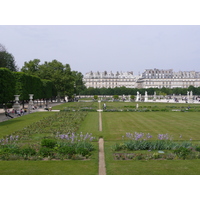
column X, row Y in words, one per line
column 49, row 143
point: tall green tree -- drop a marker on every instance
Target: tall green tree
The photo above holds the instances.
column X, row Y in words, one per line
column 31, row 67
column 7, row 60
column 7, row 85
column 23, row 85
column 78, row 82
column 60, row 75
column 48, row 89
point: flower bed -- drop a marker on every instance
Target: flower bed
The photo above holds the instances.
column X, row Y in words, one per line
column 146, row 145
column 68, row 146
column 53, row 137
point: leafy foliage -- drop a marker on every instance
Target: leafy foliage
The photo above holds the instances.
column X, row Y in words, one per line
column 7, row 60
column 7, row 82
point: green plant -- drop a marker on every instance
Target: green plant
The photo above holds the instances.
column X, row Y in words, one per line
column 132, row 97
column 83, row 151
column 156, row 156
column 45, row 152
column 95, row 97
column 139, row 157
column 115, row 96
column 28, row 151
column 50, row 143
column 67, row 150
column 182, row 152
column 197, row 148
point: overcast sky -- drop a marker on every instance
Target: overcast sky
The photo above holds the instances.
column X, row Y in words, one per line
column 106, row 47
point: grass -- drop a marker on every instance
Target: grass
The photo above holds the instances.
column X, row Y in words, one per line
column 76, row 105
column 150, row 167
column 115, row 125
column 111, row 105
column 10, row 126
column 70, row 167
column 50, row 167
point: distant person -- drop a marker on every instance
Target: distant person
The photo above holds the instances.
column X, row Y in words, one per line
column 18, row 113
column 8, row 114
column 22, row 111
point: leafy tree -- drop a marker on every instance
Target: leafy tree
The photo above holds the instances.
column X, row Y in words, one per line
column 78, row 84
column 95, row 97
column 47, row 91
column 115, row 96
column 22, row 86
column 31, row 67
column 132, row 97
column 60, row 75
column 7, row 60
column 27, row 84
column 7, row 85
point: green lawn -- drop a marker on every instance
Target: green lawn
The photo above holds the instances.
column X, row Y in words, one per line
column 12, row 125
column 51, row 167
column 149, row 167
column 69, row 167
column 110, row 105
column 48, row 168
column 76, row 105
column 115, row 125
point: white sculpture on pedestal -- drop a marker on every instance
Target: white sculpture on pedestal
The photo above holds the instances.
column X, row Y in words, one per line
column 138, row 96
column 30, row 104
column 154, row 96
column 16, row 105
column 146, row 96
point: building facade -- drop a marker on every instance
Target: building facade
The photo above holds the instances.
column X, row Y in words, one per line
column 155, row 78
column 109, row 80
column 150, row 78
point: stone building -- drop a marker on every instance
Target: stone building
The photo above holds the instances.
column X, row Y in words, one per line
column 156, row 78
column 150, row 78
column 109, row 79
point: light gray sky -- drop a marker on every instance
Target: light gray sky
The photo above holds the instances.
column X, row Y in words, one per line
column 106, row 47
column 121, row 40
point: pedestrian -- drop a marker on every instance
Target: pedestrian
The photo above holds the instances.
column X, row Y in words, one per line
column 18, row 113
column 22, row 111
column 8, row 114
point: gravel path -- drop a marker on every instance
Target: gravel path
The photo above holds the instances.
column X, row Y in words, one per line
column 4, row 118
column 102, row 165
column 100, row 121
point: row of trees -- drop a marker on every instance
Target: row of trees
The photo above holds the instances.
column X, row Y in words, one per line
column 22, row 84
column 133, row 91
column 45, row 81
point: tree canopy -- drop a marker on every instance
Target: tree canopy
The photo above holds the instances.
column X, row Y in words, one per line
column 7, row 60
column 65, row 81
column 7, row 85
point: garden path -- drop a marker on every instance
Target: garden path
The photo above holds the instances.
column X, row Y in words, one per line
column 4, row 118
column 100, row 121
column 102, row 166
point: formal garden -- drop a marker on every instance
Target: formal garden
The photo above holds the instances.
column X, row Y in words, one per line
column 163, row 140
